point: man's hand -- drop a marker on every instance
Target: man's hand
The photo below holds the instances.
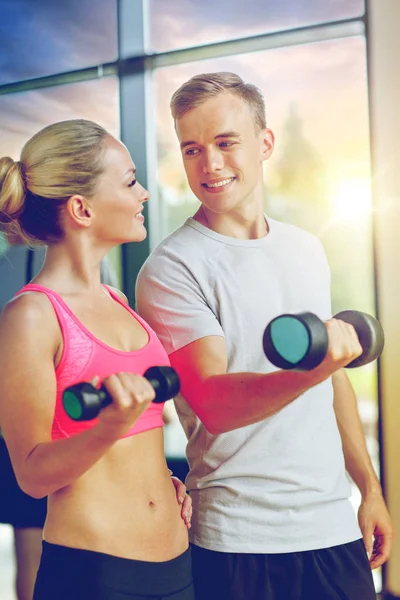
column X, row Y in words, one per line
column 184, row 499
column 377, row 528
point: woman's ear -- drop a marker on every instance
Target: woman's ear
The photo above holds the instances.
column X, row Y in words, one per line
column 79, row 210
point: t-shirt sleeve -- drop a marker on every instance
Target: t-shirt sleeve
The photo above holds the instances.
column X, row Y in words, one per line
column 173, row 302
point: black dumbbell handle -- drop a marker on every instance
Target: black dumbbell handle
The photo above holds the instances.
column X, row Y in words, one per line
column 83, row 401
column 106, row 399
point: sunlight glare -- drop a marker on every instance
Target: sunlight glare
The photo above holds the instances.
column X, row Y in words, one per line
column 352, row 199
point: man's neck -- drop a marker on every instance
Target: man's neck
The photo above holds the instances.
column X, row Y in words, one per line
column 233, row 224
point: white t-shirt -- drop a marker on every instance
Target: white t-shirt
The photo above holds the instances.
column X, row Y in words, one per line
column 278, row 485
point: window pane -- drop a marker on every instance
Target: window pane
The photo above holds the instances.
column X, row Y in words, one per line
column 25, row 113
column 185, row 23
column 319, row 174
column 45, row 37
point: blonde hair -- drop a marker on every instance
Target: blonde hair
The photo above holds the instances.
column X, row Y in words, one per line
column 59, row 161
column 202, row 87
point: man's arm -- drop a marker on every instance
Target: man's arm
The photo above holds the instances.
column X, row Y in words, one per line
column 225, row 401
column 373, row 517
column 175, row 305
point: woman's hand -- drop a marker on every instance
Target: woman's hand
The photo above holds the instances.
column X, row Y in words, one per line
column 184, row 499
column 131, row 394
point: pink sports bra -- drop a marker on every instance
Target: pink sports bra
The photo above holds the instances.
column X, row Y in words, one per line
column 85, row 356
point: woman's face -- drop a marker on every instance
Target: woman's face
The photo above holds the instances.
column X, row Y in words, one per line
column 119, row 199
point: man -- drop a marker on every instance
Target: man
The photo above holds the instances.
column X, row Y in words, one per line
column 272, row 517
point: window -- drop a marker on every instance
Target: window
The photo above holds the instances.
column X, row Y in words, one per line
column 184, row 23
column 318, row 176
column 25, row 113
column 44, row 37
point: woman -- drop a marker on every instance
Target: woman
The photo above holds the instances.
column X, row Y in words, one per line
column 114, row 528
column 26, row 515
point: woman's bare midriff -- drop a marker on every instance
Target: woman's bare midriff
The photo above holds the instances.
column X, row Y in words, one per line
column 126, row 505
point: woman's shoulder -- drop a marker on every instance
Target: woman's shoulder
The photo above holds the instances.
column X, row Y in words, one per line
column 29, row 310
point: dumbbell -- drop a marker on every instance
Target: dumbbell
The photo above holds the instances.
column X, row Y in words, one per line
column 300, row 341
column 83, row 402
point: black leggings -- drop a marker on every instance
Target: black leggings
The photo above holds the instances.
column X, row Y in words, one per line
column 337, row 573
column 74, row 574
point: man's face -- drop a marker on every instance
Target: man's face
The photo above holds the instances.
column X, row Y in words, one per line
column 223, row 150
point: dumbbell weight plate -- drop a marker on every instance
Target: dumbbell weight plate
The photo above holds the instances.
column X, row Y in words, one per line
column 296, row 341
column 370, row 335
column 74, row 407
column 165, row 382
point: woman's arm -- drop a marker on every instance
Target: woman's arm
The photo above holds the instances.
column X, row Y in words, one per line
column 29, row 340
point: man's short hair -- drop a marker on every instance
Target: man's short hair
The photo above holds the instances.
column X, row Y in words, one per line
column 201, row 88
